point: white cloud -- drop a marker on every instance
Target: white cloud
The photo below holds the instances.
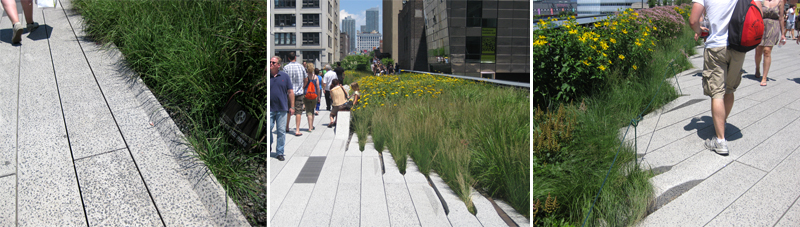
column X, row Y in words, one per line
column 360, row 19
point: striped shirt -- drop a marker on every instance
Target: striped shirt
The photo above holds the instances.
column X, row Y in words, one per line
column 296, row 73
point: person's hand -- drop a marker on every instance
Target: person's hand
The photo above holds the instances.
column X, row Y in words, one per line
column 291, row 111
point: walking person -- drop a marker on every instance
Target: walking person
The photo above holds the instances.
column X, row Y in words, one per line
column 339, row 98
column 281, row 98
column 10, row 7
column 790, row 22
column 297, row 73
column 774, row 27
column 328, row 78
column 312, row 94
column 321, row 84
column 339, row 72
column 721, row 65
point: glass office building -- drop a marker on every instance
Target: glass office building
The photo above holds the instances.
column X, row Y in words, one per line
column 480, row 38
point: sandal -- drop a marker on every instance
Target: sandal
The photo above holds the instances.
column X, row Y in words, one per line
column 757, row 75
column 763, row 84
column 298, row 134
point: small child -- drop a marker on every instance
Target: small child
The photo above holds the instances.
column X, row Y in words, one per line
column 356, row 95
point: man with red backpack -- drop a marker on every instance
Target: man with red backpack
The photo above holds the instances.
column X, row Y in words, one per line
column 723, row 56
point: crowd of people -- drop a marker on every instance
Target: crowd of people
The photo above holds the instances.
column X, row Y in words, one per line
column 379, row 69
column 300, row 87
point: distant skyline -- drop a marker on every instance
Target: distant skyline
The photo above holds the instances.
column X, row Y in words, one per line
column 358, row 10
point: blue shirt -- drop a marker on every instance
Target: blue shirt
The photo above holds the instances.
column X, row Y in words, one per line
column 278, row 92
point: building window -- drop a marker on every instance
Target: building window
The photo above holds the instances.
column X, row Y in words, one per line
column 310, row 20
column 474, row 13
column 473, row 49
column 330, row 25
column 284, row 20
column 285, row 39
column 310, row 3
column 310, row 38
column 285, row 3
column 329, row 8
column 310, row 56
column 329, row 42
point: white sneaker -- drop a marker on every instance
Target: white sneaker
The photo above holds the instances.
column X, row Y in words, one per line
column 719, row 148
column 18, row 29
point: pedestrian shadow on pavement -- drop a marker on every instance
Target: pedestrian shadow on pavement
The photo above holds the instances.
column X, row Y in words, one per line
column 796, row 80
column 705, row 129
column 43, row 32
column 753, row 77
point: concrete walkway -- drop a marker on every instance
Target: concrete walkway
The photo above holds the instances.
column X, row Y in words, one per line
column 757, row 184
column 326, row 181
column 84, row 143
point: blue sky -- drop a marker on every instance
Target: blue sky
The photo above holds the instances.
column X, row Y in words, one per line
column 358, row 10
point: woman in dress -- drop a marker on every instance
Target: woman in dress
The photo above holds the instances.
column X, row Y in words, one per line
column 774, row 27
column 312, row 80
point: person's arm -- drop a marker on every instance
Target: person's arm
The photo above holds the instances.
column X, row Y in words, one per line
column 290, row 94
column 355, row 99
column 758, row 4
column 694, row 18
column 783, row 24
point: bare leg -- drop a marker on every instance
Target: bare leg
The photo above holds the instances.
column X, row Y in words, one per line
column 27, row 8
column 310, row 121
column 759, row 52
column 11, row 9
column 718, row 115
column 728, row 105
column 288, row 118
column 297, row 130
column 767, row 63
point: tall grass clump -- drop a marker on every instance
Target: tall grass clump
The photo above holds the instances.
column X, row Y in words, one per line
column 576, row 138
column 474, row 135
column 193, row 55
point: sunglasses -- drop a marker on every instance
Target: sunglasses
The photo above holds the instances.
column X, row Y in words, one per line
column 273, row 63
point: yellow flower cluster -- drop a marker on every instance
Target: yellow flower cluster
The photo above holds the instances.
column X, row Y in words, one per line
column 382, row 90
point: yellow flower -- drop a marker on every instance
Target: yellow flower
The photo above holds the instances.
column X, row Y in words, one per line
column 596, row 25
column 621, row 57
column 638, row 43
column 624, row 31
column 636, row 14
column 613, row 40
column 654, row 28
column 609, row 62
column 635, row 68
column 542, row 37
column 644, row 34
column 585, row 62
column 601, row 67
column 614, row 23
column 572, row 31
column 604, row 55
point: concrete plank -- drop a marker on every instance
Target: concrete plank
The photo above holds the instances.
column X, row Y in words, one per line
column 791, row 217
column 8, row 200
column 320, row 206
column 698, row 167
column 772, row 151
column 485, row 211
column 280, row 185
column 91, row 127
column 767, row 200
column 8, row 100
column 291, row 211
column 459, row 215
column 47, row 183
column 429, row 209
column 172, row 192
column 513, row 214
column 401, row 207
column 706, row 200
column 374, row 211
column 794, row 105
column 113, row 192
column 321, row 148
column 347, row 207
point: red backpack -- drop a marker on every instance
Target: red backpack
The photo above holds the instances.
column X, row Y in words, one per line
column 746, row 26
column 311, row 90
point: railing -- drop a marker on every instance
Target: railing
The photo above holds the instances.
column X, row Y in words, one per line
column 501, row 82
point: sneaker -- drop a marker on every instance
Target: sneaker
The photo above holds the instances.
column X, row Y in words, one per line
column 719, row 148
column 18, row 28
column 280, row 158
column 32, row 26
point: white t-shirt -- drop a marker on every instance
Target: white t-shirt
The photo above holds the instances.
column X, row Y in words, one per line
column 328, row 78
column 790, row 14
column 719, row 14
